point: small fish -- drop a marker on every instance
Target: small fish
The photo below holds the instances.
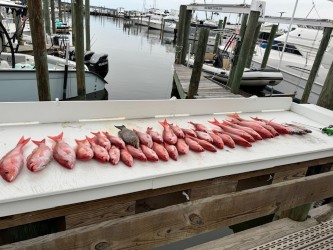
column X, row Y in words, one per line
column 144, row 138
column 189, row 131
column 203, row 136
column 217, row 141
column 177, row 130
column 182, row 147
column 154, row 135
column 149, row 153
column 62, row 152
column 126, row 157
column 114, row 153
column 128, row 136
column 227, row 140
column 12, row 163
column 100, row 153
column 161, row 152
column 39, row 157
column 172, row 151
column 168, row 134
column 115, row 140
column 199, row 127
column 136, row 153
column 193, row 145
column 83, row 150
column 102, row 140
column 205, row 144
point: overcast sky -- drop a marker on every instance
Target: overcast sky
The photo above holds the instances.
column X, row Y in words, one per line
column 273, row 7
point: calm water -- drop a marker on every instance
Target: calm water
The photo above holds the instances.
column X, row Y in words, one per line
column 140, row 63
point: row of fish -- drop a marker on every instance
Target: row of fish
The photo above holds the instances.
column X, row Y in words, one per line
column 149, row 146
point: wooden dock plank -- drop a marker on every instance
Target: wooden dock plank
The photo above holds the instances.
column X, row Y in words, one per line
column 207, row 88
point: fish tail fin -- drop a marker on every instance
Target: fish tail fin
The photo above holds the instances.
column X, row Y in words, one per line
column 149, row 129
column 191, row 123
column 39, row 142
column 164, row 123
column 95, row 133
column 23, row 141
column 105, row 132
column 215, row 122
column 80, row 141
column 120, row 127
column 90, row 139
column 234, row 115
column 56, row 138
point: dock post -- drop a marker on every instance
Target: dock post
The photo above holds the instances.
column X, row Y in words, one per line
column 180, row 33
column 269, row 46
column 325, row 98
column 53, row 17
column 244, row 51
column 73, row 23
column 237, row 49
column 198, row 63
column 224, row 22
column 162, row 30
column 218, row 37
column 60, row 10
column 194, row 37
column 47, row 17
column 149, row 22
column 87, row 19
column 316, row 64
column 186, row 34
column 40, row 53
column 253, row 46
column 79, row 51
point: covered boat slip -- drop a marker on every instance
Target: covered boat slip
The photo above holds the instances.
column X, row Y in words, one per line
column 198, row 193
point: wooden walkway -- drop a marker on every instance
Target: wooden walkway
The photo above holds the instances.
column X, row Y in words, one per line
column 207, row 88
column 285, row 234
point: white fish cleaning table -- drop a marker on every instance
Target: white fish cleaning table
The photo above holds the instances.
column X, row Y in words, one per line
column 94, row 193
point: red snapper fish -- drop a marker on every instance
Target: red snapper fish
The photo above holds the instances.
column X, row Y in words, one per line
column 189, row 131
column 40, row 156
column 100, row 153
column 115, row 140
column 199, row 127
column 144, row 138
column 193, row 145
column 12, row 163
column 149, row 153
column 102, row 140
column 239, row 140
column 168, row 134
column 281, row 129
column 161, row 152
column 114, row 153
column 182, row 147
column 172, row 151
column 177, row 130
column 203, row 136
column 62, row 152
column 217, row 141
column 205, row 144
column 136, row 153
column 154, row 135
column 227, row 140
column 83, row 150
column 248, row 130
column 126, row 157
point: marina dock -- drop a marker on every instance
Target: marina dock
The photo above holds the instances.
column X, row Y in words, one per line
column 207, row 88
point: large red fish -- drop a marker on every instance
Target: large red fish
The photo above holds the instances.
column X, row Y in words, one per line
column 168, row 134
column 182, row 147
column 227, row 140
column 136, row 153
column 248, row 130
column 40, row 157
column 144, row 138
column 217, row 141
column 199, row 127
column 62, row 152
column 281, row 129
column 172, row 151
column 154, row 135
column 83, row 150
column 126, row 157
column 231, row 130
column 177, row 130
column 189, row 131
column 102, row 140
column 114, row 153
column 100, row 153
column 12, row 163
column 193, row 145
column 204, row 136
column 161, row 152
column 205, row 144
column 238, row 140
column 115, row 140
column 149, row 153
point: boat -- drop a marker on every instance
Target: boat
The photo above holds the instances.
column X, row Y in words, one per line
column 18, row 76
column 297, row 61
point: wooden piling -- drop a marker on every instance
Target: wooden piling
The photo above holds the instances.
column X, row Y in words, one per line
column 53, row 17
column 325, row 98
column 87, row 19
column 186, row 34
column 73, row 22
column 194, row 37
column 244, row 52
column 224, row 22
column 316, row 64
column 198, row 63
column 253, row 46
column 40, row 53
column 180, row 34
column 79, row 51
column 218, row 37
column 47, row 16
column 237, row 49
column 269, row 45
column 60, row 10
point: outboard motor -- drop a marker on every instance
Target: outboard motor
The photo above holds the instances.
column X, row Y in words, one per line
column 98, row 63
